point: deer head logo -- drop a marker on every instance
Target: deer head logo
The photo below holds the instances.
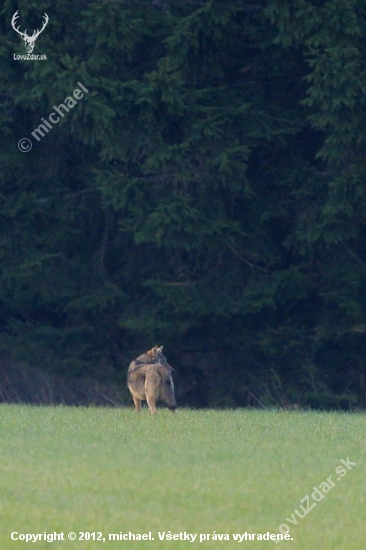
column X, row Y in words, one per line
column 29, row 40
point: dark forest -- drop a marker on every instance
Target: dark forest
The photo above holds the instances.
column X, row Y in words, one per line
column 207, row 193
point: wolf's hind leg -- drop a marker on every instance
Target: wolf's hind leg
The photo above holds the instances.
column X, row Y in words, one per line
column 151, row 402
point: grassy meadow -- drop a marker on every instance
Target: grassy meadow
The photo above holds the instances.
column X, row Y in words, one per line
column 67, row 469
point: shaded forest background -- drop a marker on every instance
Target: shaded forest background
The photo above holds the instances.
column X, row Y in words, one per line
column 208, row 194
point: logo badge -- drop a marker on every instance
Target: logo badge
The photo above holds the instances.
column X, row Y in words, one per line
column 29, row 41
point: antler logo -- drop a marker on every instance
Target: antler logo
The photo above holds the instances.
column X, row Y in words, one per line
column 29, row 40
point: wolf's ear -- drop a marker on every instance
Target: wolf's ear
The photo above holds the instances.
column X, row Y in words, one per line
column 152, row 351
column 160, row 349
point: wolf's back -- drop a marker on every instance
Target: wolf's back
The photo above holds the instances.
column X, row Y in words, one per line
column 153, row 356
column 154, row 379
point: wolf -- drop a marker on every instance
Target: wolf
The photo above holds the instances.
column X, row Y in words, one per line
column 150, row 378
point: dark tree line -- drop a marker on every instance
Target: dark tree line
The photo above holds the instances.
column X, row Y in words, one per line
column 208, row 193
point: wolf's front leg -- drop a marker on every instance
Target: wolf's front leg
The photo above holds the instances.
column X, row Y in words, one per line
column 137, row 403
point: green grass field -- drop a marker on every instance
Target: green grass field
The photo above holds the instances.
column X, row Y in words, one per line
column 199, row 472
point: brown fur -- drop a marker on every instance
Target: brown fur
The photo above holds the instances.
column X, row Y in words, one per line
column 150, row 379
column 154, row 355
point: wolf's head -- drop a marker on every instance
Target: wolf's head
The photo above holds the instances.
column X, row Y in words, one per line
column 154, row 352
column 156, row 355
